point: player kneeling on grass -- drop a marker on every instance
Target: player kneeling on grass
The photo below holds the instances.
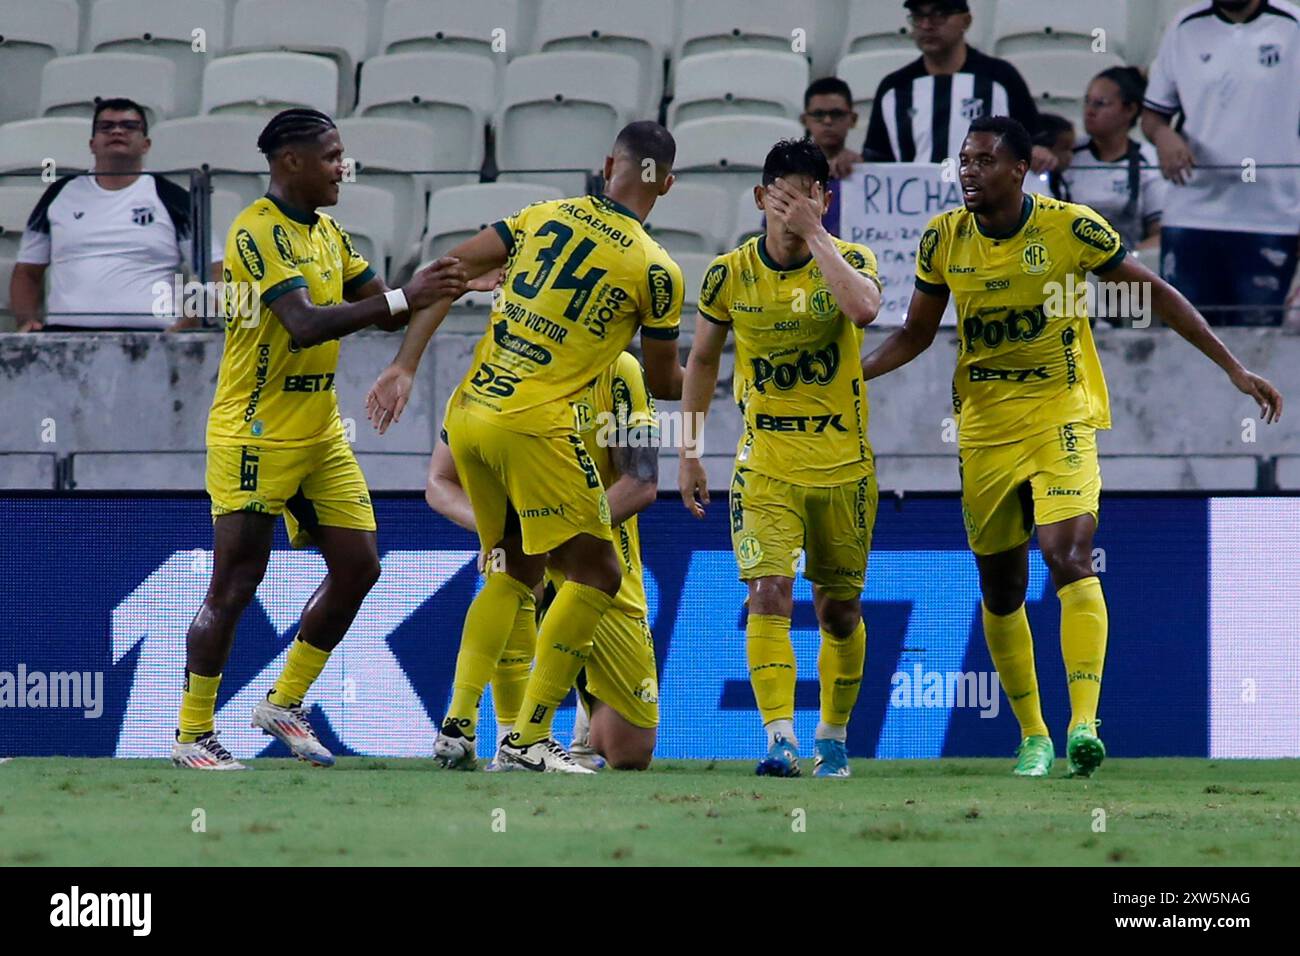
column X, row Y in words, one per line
column 275, row 440
column 1030, row 397
column 798, row 300
column 615, row 417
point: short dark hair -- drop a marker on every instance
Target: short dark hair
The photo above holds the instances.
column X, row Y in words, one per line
column 646, row 139
column 299, row 125
column 1010, row 132
column 828, row 86
column 119, row 104
column 1132, row 86
column 1050, row 127
column 796, row 157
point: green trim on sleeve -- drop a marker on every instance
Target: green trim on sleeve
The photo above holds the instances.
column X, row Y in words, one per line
column 280, row 288
column 931, row 287
column 666, row 334
column 357, row 281
column 1112, row 262
column 714, row 319
column 506, row 235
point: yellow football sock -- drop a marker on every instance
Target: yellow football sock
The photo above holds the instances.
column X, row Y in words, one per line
column 563, row 647
column 511, row 677
column 198, row 705
column 301, row 669
column 488, row 623
column 1012, row 648
column 771, row 665
column 839, row 670
column 1083, row 645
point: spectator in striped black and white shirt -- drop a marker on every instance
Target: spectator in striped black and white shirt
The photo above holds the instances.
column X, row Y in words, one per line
column 921, row 113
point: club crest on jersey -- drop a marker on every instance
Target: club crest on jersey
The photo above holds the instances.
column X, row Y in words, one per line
column 1270, row 54
column 142, row 215
column 584, row 416
column 1092, row 233
column 1035, row 260
column 246, row 248
column 823, row 304
column 972, row 107
column 282, row 243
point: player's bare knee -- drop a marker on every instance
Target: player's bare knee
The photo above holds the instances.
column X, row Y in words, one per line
column 1068, row 564
column 631, row 758
column 771, row 595
column 838, row 617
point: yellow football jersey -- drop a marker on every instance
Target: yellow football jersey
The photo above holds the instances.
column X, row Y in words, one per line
column 605, row 412
column 269, row 391
column 1026, row 360
column 798, row 377
column 582, row 276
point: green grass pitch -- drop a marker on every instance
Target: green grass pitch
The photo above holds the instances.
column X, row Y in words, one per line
column 73, row 812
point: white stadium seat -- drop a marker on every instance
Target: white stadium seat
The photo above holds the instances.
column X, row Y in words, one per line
column 225, row 206
column 730, row 141
column 749, row 218
column 224, row 142
column 878, row 25
column 642, row 29
column 31, row 34
column 693, row 266
column 369, row 215
column 452, row 93
column 743, row 24
column 1059, row 80
column 16, row 204
column 169, row 28
column 1025, row 25
column 27, row 144
column 457, row 213
column 864, row 71
column 336, row 28
column 453, row 25
column 738, row 82
column 71, row 84
column 381, row 147
column 6, row 320
column 562, row 110
column 263, row 84
column 692, row 217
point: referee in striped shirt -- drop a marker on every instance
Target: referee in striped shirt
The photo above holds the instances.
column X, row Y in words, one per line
column 921, row 113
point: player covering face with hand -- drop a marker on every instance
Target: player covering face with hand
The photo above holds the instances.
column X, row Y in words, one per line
column 1029, row 396
column 804, row 482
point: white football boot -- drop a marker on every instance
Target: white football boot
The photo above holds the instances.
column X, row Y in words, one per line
column 545, row 756
column 580, row 750
column 452, row 749
column 289, row 725
column 206, row 753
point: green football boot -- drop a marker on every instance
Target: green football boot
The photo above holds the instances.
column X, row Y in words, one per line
column 1036, row 756
column 1085, row 749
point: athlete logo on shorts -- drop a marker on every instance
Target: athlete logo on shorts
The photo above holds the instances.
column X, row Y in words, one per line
column 647, row 691
column 246, row 248
column 1035, row 259
column 748, row 552
column 282, row 243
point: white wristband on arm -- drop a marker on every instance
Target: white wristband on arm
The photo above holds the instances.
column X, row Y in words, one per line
column 396, row 300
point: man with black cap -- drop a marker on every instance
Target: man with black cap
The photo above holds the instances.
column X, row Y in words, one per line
column 922, row 112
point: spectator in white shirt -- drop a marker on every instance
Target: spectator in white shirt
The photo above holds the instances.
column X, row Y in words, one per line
column 107, row 239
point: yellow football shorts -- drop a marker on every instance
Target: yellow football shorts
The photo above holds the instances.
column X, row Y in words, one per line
column 313, row 485
column 550, row 483
column 621, row 669
column 773, row 521
column 1007, row 489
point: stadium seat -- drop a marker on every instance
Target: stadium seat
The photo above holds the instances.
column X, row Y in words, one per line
column 16, row 204
column 225, row 206
column 226, row 142
column 562, row 110
column 642, row 29
column 31, row 34
column 71, row 84
column 169, row 28
column 385, row 151
column 7, row 323
column 27, row 144
column 864, row 71
column 452, row 93
column 336, row 28
column 18, row 470
column 263, row 84
column 693, row 266
column 878, row 25
column 369, row 215
column 1032, row 25
column 1288, row 472
column 1179, row 473
column 459, row 212
column 749, row 218
column 730, row 141
column 905, row 473
column 742, row 24
column 739, row 82
column 692, row 217
column 1059, row 79
column 454, row 25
